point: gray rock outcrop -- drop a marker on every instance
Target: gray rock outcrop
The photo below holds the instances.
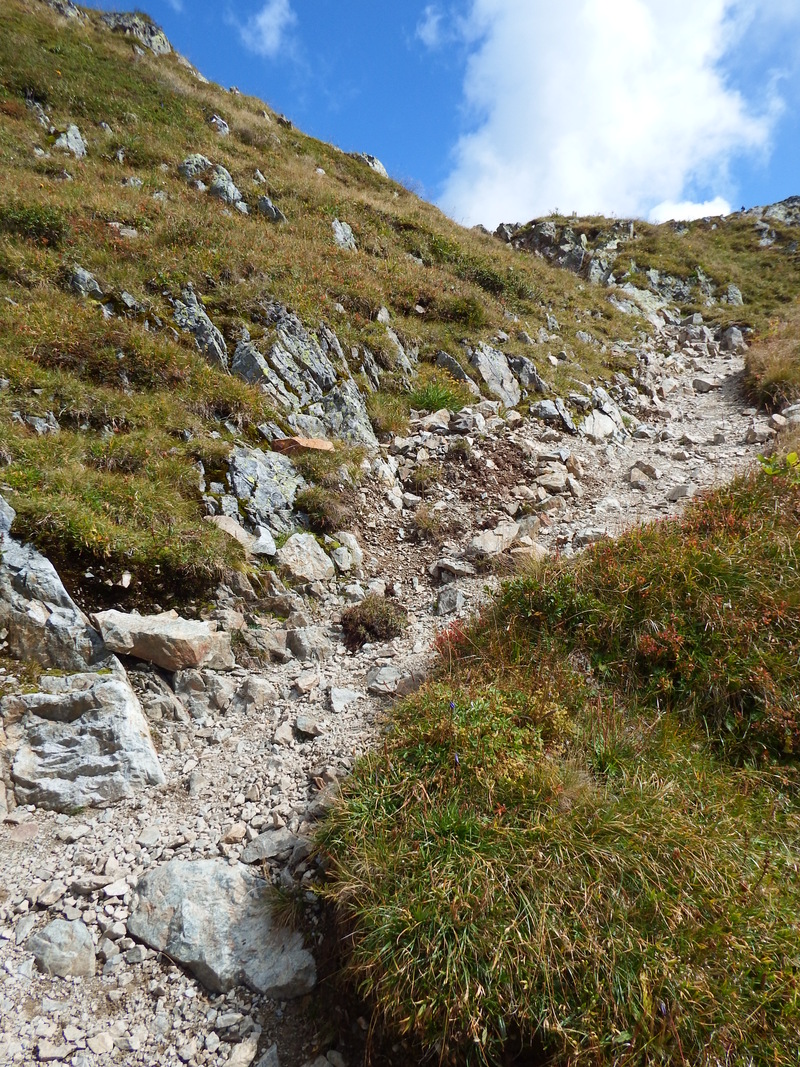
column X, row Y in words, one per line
column 167, row 640
column 498, row 378
column 344, row 412
column 265, row 484
column 44, row 624
column 222, row 186
column 343, row 236
column 194, row 166
column 215, row 919
column 85, row 742
column 269, row 211
column 372, row 162
column 140, row 27
column 191, row 316
column 72, row 141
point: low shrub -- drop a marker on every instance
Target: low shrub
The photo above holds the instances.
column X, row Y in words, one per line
column 374, row 619
column 40, row 223
column 326, row 509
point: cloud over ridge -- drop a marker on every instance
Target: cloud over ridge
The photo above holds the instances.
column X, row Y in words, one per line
column 264, row 33
column 591, row 106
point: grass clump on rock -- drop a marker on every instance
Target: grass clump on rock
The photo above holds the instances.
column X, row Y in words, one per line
column 374, row 619
column 581, row 843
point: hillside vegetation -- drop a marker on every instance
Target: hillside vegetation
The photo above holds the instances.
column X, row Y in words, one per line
column 578, row 844
column 137, row 404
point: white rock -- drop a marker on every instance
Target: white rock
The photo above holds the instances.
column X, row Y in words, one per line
column 303, row 558
column 166, row 640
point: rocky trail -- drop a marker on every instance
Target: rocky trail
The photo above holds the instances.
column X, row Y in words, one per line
column 114, row 947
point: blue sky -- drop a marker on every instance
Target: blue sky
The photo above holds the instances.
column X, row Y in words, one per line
column 500, row 110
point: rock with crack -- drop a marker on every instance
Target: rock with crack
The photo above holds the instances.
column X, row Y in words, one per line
column 344, row 412
column 262, row 543
column 528, row 375
column 85, row 741
column 497, row 376
column 191, row 316
column 304, row 559
column 44, row 624
column 166, row 640
column 215, row 919
column 63, row 948
column 140, row 27
column 265, row 484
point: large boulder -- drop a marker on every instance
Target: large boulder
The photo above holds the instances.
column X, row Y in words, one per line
column 265, row 484
column 194, row 166
column 63, row 948
column 303, row 558
column 343, row 236
column 85, row 741
column 44, row 624
column 191, row 316
column 215, row 919
column 166, row 640
column 71, row 140
column 498, row 378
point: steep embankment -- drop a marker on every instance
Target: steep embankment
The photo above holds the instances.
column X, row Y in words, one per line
column 249, row 376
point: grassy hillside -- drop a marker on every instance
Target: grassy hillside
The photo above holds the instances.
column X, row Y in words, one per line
column 119, row 489
column 581, row 841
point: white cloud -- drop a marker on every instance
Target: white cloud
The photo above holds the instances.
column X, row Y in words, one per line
column 603, row 107
column 686, row 210
column 265, row 32
column 176, row 5
column 429, row 27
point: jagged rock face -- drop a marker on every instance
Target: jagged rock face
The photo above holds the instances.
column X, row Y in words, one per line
column 44, row 624
column 190, row 315
column 493, row 367
column 372, row 162
column 344, row 412
column 150, row 35
column 85, row 742
column 65, row 8
column 71, row 140
column 215, row 919
column 265, row 483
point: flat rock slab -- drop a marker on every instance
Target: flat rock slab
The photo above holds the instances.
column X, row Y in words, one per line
column 86, row 742
column 166, row 640
column 216, row 920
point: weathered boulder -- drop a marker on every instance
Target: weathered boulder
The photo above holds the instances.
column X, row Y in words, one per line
column 598, row 426
column 83, row 283
column 222, row 186
column 304, row 559
column 372, row 162
column 190, row 315
column 527, row 374
column 85, row 743
column 269, row 211
column 140, row 27
column 498, row 378
column 72, row 141
column 309, row 643
column 455, row 370
column 203, row 693
column 215, row 919
column 194, row 166
column 493, row 542
column 44, row 624
column 265, row 484
column 166, row 640
column 343, row 236
column 63, row 948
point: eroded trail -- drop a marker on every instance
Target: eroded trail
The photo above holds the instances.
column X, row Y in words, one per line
column 251, row 756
